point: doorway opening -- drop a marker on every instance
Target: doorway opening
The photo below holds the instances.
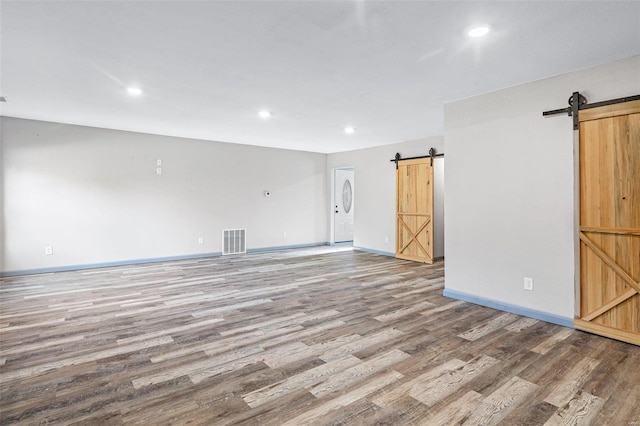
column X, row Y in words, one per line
column 343, row 206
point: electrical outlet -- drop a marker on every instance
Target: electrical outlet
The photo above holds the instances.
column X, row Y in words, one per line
column 159, row 162
column 528, row 283
column 386, row 240
column 200, row 240
column 48, row 250
column 284, row 234
column 158, row 170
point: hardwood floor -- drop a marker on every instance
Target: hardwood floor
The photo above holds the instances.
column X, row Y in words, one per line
column 323, row 335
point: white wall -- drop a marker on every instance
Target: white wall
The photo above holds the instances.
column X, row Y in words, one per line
column 375, row 192
column 2, row 239
column 509, row 209
column 94, row 196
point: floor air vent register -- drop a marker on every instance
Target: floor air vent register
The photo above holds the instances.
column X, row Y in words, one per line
column 234, row 241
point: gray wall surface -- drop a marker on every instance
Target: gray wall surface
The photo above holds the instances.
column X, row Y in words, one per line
column 375, row 192
column 2, row 239
column 509, row 206
column 94, row 195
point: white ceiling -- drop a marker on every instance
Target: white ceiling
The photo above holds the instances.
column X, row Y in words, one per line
column 207, row 68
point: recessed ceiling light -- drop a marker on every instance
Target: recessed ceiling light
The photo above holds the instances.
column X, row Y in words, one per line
column 349, row 130
column 134, row 91
column 264, row 114
column 478, row 31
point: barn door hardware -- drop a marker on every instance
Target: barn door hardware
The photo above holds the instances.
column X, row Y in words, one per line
column 396, row 159
column 578, row 102
column 433, row 153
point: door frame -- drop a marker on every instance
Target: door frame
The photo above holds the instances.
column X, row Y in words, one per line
column 576, row 223
column 332, row 222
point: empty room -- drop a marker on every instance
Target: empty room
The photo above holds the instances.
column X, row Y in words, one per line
column 320, row 212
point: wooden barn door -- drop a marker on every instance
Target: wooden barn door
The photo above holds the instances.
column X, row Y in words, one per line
column 610, row 221
column 414, row 210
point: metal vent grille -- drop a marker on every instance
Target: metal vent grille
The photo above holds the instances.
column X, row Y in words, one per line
column 234, row 241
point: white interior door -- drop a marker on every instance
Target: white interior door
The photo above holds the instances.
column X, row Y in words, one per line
column 343, row 198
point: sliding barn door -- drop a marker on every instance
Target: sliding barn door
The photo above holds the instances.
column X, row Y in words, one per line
column 610, row 221
column 414, row 210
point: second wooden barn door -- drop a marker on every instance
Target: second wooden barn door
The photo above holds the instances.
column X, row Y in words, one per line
column 610, row 221
column 414, row 210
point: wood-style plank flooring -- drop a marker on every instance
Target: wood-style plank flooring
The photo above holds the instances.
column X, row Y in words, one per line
column 311, row 336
